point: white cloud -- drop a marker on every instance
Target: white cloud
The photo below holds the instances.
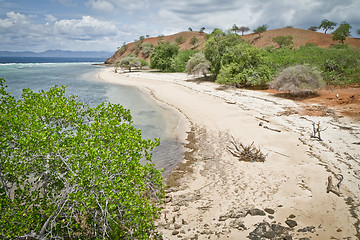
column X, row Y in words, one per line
column 50, row 18
column 113, row 5
column 84, row 29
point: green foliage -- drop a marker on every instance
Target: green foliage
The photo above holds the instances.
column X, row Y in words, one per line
column 261, row 29
column 180, row 40
column 162, row 56
column 193, row 41
column 179, row 61
column 342, row 32
column 198, row 64
column 69, row 171
column 283, row 41
column 235, row 28
column 123, row 49
column 298, row 80
column 143, row 63
column 202, row 29
column 190, row 29
column 128, row 62
column 147, row 49
column 327, row 25
column 338, row 65
column 216, row 45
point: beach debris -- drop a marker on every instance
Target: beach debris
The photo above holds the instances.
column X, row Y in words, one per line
column 316, row 131
column 269, row 210
column 246, row 153
column 265, row 230
column 238, row 224
column 331, row 188
column 261, row 124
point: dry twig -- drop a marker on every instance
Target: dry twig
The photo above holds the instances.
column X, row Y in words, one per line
column 246, row 153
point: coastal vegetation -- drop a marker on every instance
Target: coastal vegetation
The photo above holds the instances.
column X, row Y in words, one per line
column 71, row 171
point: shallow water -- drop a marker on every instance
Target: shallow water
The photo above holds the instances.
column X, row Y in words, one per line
column 154, row 120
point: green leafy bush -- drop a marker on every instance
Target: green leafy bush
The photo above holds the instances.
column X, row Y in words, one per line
column 162, row 56
column 70, row 171
column 179, row 61
column 299, row 79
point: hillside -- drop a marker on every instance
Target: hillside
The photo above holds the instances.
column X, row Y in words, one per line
column 131, row 47
column 300, row 37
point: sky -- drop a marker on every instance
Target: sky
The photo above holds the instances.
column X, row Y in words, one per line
column 105, row 25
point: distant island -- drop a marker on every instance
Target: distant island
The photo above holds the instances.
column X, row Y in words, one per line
column 58, row 53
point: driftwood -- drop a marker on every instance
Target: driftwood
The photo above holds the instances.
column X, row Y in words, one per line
column 246, row 153
column 272, row 129
column 331, row 188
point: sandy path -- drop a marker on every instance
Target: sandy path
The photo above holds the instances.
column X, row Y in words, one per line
column 219, row 197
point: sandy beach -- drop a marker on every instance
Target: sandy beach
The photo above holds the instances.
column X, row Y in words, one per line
column 213, row 195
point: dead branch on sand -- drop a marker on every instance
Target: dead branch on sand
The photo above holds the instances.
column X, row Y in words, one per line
column 246, row 153
column 331, row 188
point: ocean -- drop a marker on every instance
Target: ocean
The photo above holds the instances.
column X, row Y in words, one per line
column 79, row 75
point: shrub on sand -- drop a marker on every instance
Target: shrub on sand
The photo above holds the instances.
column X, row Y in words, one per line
column 299, row 80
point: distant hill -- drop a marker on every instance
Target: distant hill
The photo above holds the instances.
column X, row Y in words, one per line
column 58, row 53
column 131, row 47
column 300, row 37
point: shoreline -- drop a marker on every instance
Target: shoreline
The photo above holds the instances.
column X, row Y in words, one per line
column 216, row 194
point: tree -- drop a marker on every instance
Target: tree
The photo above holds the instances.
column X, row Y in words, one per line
column 235, row 28
column 70, row 171
column 283, row 41
column 358, row 31
column 198, row 64
column 202, row 29
column 147, row 49
column 193, row 41
column 162, row 56
column 327, row 25
column 190, row 29
column 261, row 29
column 313, row 28
column 244, row 29
column 342, row 32
column 129, row 62
column 180, row 40
column 179, row 61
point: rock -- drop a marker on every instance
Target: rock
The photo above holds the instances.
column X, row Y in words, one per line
column 292, row 216
column 238, row 224
column 223, row 217
column 291, row 223
column 183, row 222
column 269, row 210
column 266, row 231
column 167, row 199
column 256, row 212
column 175, row 232
column 271, row 217
column 177, row 226
column 307, row 229
column 182, row 231
column 176, row 209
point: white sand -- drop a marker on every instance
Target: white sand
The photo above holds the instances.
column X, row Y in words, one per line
column 292, row 180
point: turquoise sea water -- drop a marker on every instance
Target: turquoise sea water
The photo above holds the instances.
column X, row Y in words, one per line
column 80, row 79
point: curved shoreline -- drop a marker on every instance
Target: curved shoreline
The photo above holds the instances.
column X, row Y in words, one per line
column 290, row 181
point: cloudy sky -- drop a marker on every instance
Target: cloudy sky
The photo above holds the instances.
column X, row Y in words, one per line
column 104, row 25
